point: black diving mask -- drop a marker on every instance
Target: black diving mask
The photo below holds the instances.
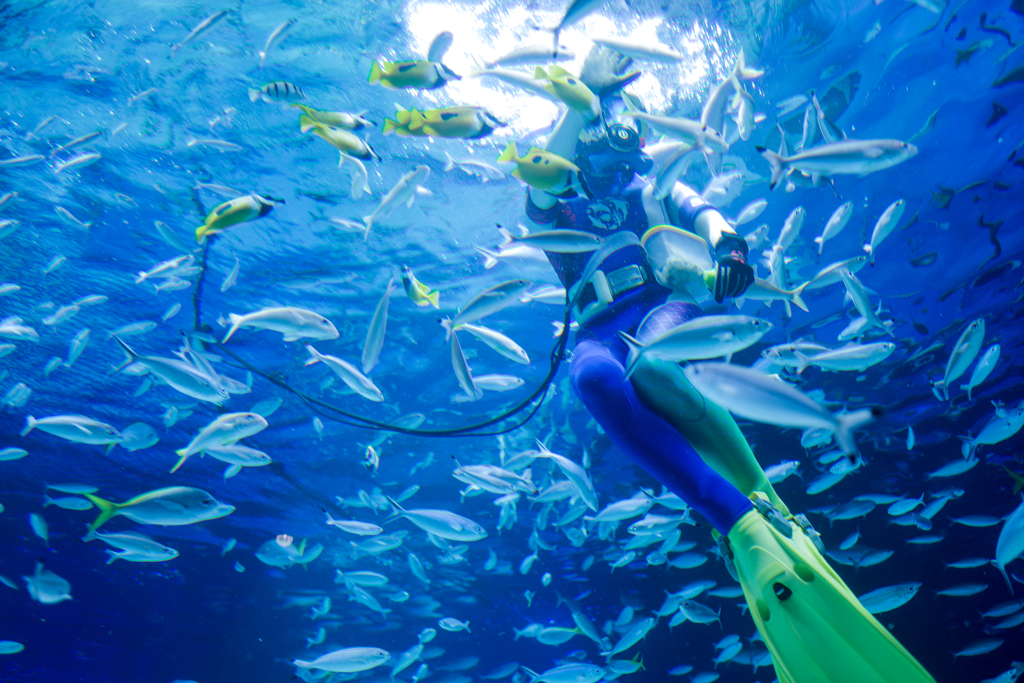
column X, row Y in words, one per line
column 618, row 150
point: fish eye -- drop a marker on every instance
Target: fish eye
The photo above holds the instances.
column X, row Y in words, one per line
column 207, row 501
column 325, row 321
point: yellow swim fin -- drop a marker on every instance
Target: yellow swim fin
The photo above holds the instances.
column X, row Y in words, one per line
column 815, row 628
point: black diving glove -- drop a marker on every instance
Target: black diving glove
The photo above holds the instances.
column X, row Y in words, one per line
column 733, row 275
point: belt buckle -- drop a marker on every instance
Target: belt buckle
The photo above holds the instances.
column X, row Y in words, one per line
column 624, row 279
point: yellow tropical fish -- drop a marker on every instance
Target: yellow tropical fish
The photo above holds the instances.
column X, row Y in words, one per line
column 420, row 294
column 338, row 119
column 545, row 171
column 570, row 90
column 238, row 210
column 412, row 74
column 449, row 122
column 342, row 140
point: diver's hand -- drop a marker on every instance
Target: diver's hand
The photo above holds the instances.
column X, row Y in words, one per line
column 605, row 71
column 733, row 275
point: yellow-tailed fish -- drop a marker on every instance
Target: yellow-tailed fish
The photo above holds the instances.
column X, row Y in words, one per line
column 449, row 122
column 412, row 74
column 545, row 171
column 342, row 140
column 420, row 294
column 338, row 119
column 238, row 210
column 570, row 90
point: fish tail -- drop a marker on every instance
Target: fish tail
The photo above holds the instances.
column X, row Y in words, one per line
column 1002, row 570
column 851, row 421
column 743, row 72
column 802, row 363
column 967, row 447
column 451, row 162
column 434, row 298
column 128, row 350
column 182, row 454
column 390, row 126
column 254, row 94
column 509, row 238
column 490, row 258
column 403, row 117
column 314, row 355
column 821, row 244
column 509, row 153
column 635, row 351
column 236, row 322
column 376, row 73
column 30, row 423
column 777, row 163
column 306, row 124
column 201, row 232
column 113, row 556
column 798, row 299
column 107, row 510
column 368, row 220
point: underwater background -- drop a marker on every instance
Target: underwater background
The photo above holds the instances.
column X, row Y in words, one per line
column 173, row 115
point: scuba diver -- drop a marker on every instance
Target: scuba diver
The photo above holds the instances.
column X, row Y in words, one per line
column 813, row 625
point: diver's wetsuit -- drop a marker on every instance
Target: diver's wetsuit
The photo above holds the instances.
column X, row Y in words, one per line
column 598, row 365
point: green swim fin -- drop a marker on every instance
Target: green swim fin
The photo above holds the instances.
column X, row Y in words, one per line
column 815, row 628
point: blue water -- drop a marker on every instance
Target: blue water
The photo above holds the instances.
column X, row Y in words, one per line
column 196, row 617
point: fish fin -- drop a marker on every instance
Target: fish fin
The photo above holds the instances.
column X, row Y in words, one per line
column 376, row 73
column 777, row 164
column 742, row 71
column 1002, row 570
column 416, row 120
column 236, row 322
column 30, row 423
column 798, row 299
column 635, row 350
column 314, row 356
column 851, row 421
column 182, row 455
column 107, row 510
column 490, row 258
column 509, row 153
column 802, row 362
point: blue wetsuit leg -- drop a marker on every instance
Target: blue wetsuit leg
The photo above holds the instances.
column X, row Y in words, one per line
column 647, row 439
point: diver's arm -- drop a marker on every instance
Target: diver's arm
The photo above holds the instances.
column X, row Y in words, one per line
column 733, row 275
column 688, row 210
column 562, row 142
